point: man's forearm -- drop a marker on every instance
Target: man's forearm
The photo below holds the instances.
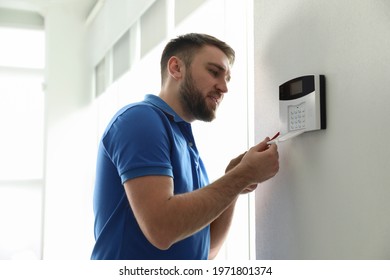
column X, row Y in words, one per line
column 212, row 205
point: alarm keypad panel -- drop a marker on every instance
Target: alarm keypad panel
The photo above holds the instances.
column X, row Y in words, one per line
column 302, row 104
column 297, row 117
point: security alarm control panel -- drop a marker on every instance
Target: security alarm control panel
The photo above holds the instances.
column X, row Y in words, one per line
column 302, row 105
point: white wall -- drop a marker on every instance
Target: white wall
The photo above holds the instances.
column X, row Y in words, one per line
column 331, row 197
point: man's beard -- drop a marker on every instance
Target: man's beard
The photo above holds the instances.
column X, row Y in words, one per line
column 193, row 100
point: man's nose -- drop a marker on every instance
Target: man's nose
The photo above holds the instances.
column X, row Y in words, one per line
column 222, row 86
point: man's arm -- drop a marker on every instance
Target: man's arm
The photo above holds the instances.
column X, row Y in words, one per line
column 166, row 218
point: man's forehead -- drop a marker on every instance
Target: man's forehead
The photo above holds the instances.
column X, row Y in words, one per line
column 214, row 53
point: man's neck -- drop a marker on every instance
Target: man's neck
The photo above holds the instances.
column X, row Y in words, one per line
column 172, row 98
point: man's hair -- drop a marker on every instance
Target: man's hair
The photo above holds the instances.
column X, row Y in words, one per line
column 185, row 47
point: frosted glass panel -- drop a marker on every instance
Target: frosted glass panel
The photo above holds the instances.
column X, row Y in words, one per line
column 185, row 8
column 121, row 56
column 153, row 26
column 100, row 77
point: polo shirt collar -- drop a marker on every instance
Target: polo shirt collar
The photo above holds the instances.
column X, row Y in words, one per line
column 163, row 106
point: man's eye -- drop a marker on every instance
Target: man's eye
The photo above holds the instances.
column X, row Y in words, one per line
column 213, row 72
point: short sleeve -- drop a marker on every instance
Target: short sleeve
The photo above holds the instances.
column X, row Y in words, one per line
column 139, row 143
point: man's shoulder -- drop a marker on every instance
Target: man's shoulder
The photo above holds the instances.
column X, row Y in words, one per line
column 140, row 111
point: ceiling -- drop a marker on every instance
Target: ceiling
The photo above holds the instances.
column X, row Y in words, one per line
column 78, row 6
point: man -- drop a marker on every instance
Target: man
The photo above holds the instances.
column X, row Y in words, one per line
column 152, row 196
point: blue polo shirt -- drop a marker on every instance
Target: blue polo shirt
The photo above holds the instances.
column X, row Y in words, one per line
column 144, row 138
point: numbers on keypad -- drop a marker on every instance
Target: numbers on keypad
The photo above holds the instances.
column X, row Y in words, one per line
column 297, row 117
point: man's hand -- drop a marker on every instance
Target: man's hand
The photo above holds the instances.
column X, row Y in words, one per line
column 259, row 163
column 234, row 162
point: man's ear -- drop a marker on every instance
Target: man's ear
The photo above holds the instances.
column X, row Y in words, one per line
column 175, row 67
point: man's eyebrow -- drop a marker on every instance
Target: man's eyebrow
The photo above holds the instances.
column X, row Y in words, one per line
column 221, row 68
